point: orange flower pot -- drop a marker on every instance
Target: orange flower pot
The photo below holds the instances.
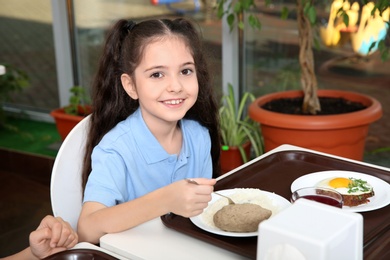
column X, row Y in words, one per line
column 66, row 122
column 343, row 134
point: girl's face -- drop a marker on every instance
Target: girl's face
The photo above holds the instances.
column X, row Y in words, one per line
column 165, row 82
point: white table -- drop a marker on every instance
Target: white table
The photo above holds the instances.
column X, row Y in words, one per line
column 153, row 240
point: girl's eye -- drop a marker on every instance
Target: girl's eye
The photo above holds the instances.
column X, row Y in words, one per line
column 186, row 72
column 156, row 75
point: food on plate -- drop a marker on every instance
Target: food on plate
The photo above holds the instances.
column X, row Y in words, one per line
column 266, row 200
column 241, row 217
column 354, row 191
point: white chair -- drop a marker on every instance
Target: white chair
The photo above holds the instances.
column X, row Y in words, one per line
column 65, row 187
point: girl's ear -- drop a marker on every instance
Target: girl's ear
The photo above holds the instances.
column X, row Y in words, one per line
column 129, row 86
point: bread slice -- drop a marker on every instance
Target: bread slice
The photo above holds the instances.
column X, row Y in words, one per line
column 356, row 200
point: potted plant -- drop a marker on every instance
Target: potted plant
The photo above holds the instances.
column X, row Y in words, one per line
column 12, row 80
column 69, row 116
column 311, row 99
column 239, row 133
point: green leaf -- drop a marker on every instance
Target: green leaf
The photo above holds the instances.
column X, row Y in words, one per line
column 237, row 8
column 317, row 44
column 254, row 22
column 372, row 46
column 230, row 20
column 345, row 18
column 220, row 10
column 284, row 14
column 380, row 150
column 312, row 15
column 384, row 50
column 246, row 4
column 241, row 25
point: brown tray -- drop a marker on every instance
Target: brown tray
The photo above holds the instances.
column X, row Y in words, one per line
column 275, row 173
column 80, row 254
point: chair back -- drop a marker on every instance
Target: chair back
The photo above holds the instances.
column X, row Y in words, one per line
column 65, row 186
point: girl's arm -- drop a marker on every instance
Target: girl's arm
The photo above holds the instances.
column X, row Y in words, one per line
column 181, row 198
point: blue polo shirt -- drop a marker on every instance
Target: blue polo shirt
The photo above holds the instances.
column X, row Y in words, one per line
column 129, row 162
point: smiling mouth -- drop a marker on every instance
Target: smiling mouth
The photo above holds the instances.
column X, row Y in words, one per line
column 173, row 102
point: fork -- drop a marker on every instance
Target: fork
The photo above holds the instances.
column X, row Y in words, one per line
column 231, row 202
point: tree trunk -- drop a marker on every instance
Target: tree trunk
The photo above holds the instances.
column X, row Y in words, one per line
column 311, row 103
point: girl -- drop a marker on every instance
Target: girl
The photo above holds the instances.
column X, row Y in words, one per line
column 155, row 123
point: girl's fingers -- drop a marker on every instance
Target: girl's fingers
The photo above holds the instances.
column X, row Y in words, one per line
column 205, row 181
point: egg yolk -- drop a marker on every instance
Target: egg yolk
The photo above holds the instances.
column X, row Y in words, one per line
column 340, row 182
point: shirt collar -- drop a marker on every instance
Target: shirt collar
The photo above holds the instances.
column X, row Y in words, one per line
column 148, row 145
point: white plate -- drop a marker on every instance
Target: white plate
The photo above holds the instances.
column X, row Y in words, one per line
column 381, row 188
column 268, row 200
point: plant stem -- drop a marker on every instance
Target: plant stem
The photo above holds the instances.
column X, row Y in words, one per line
column 311, row 103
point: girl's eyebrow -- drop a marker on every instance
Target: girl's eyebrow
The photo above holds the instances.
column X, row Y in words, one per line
column 162, row 66
column 189, row 63
column 155, row 67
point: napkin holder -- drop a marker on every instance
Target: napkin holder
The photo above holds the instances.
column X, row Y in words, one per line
column 311, row 230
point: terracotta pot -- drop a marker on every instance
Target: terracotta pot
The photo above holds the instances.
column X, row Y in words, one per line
column 343, row 135
column 231, row 158
column 65, row 122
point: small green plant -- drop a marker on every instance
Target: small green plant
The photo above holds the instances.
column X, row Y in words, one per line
column 238, row 128
column 14, row 80
column 78, row 102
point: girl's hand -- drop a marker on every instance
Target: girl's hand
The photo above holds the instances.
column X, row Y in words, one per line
column 52, row 235
column 188, row 199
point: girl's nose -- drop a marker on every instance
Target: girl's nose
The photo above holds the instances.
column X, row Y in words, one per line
column 175, row 85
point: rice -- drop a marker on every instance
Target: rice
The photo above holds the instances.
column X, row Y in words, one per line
column 239, row 196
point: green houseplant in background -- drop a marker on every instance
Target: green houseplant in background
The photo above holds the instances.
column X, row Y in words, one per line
column 17, row 131
column 306, row 18
column 308, row 122
column 69, row 116
column 78, row 102
column 239, row 133
column 12, row 81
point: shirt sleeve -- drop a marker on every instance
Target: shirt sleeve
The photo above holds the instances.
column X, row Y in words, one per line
column 107, row 182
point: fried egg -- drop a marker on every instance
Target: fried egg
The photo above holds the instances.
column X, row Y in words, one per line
column 346, row 186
